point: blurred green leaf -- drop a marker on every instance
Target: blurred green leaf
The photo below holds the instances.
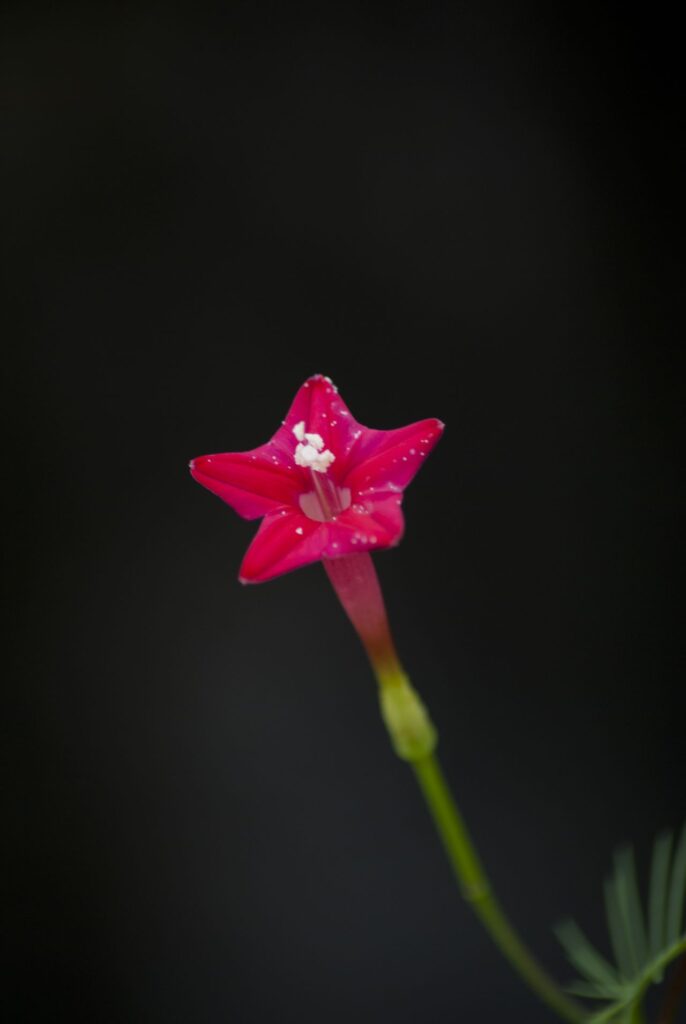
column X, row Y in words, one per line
column 641, row 954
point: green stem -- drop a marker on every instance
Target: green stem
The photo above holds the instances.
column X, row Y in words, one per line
column 414, row 738
column 637, row 1015
column 476, row 889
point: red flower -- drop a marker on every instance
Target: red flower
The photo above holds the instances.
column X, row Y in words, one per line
column 325, row 485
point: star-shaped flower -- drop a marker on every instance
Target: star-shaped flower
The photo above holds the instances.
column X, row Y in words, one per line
column 325, row 485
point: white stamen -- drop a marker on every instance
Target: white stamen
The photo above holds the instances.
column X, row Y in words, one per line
column 306, row 455
column 316, row 440
column 299, row 430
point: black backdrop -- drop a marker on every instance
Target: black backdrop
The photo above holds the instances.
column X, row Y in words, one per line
column 468, row 212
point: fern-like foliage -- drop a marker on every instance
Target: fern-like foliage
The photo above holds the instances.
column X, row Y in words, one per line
column 644, row 941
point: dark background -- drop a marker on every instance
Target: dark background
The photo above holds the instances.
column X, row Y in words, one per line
column 470, row 212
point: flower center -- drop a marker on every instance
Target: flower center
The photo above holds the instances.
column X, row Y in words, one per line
column 327, row 500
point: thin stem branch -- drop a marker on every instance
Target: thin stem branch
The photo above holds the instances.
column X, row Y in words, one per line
column 477, row 891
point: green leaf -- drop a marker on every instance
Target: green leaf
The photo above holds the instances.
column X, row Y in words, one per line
column 677, row 891
column 586, row 958
column 615, row 924
column 657, row 899
column 626, row 888
column 586, row 989
column 641, row 953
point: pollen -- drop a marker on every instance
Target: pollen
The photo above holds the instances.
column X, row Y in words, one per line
column 316, row 440
column 309, row 457
column 299, row 431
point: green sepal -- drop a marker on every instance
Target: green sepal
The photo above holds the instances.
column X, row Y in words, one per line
column 411, row 730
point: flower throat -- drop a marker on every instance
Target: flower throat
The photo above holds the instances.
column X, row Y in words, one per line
column 327, row 500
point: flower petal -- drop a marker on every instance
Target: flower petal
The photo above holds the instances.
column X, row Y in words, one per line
column 366, row 526
column 286, row 540
column 253, row 483
column 387, row 460
column 322, row 411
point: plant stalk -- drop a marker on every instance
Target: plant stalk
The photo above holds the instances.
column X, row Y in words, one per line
column 414, row 738
column 476, row 889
